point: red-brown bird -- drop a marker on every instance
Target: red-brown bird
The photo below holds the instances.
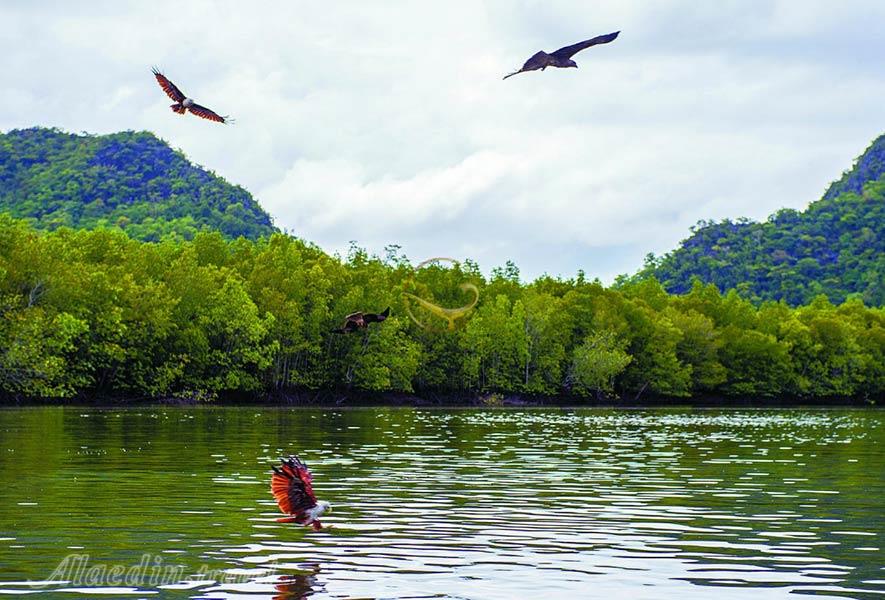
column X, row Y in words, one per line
column 183, row 103
column 292, row 487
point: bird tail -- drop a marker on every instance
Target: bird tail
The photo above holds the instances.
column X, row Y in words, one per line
column 179, row 108
column 386, row 313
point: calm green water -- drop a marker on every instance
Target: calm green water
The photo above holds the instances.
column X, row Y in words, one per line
column 444, row 503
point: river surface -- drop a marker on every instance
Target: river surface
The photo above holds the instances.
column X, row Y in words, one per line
column 547, row 503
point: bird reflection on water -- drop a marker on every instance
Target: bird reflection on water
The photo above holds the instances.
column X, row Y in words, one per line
column 298, row 586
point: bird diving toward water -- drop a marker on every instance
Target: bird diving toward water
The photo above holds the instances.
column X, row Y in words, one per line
column 562, row 58
column 359, row 320
column 183, row 103
column 292, row 487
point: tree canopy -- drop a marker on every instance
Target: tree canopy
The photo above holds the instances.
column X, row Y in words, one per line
column 96, row 313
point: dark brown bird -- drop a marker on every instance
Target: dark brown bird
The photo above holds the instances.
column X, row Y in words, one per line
column 183, row 103
column 562, row 58
column 360, row 320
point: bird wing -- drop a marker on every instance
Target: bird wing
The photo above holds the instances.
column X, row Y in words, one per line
column 376, row 318
column 569, row 51
column 292, row 487
column 202, row 111
column 538, row 60
column 170, row 88
column 354, row 321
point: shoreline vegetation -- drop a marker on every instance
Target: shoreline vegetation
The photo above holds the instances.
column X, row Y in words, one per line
column 94, row 314
column 344, row 399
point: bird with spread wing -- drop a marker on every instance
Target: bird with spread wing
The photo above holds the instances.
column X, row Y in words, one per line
column 292, row 488
column 361, row 320
column 562, row 58
column 183, row 103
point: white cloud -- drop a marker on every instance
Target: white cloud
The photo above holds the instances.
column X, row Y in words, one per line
column 696, row 111
column 326, row 195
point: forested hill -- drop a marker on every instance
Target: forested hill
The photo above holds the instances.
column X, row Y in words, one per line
column 130, row 180
column 834, row 247
column 869, row 167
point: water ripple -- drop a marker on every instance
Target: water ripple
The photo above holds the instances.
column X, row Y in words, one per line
column 445, row 503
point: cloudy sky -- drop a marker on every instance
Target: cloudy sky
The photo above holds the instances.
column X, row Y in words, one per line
column 387, row 122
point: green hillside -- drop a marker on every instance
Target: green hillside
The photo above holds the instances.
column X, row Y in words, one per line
column 835, row 247
column 130, row 180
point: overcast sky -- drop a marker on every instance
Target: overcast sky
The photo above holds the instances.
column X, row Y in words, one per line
column 387, row 122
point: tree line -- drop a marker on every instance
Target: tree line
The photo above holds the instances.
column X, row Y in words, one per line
column 96, row 313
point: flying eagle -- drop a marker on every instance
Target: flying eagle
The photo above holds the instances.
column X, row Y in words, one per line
column 562, row 58
column 360, row 320
column 292, row 488
column 183, row 103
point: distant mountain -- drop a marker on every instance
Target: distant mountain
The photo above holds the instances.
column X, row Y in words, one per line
column 130, row 180
column 834, row 247
column 869, row 167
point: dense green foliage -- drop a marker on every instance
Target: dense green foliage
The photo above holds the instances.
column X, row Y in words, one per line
column 133, row 181
column 835, row 247
column 98, row 313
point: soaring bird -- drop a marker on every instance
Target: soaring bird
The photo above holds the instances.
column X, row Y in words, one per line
column 183, row 103
column 292, row 488
column 562, row 58
column 359, row 320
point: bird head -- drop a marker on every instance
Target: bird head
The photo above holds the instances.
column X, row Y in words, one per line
column 572, row 63
column 325, row 507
